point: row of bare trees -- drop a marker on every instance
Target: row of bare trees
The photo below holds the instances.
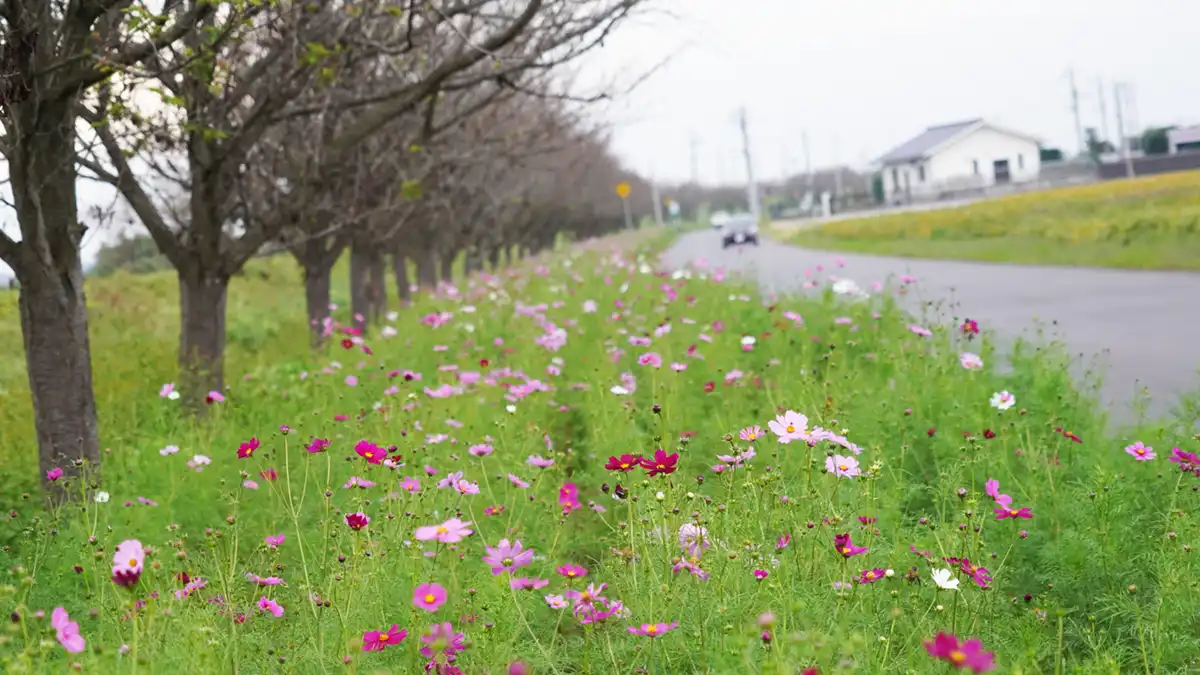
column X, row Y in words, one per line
column 404, row 131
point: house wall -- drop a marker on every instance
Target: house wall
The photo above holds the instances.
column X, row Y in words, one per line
column 951, row 169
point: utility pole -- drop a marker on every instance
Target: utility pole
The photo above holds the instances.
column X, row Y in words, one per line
column 1117, row 87
column 807, row 159
column 1075, row 111
column 751, row 187
column 1101, row 98
column 658, row 215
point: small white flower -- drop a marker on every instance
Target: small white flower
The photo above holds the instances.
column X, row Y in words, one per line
column 392, row 316
column 173, row 396
column 169, row 450
column 944, row 579
column 619, row 390
column 748, row 341
column 1002, row 400
column 202, row 460
column 102, row 497
column 468, row 309
column 389, row 331
column 660, row 496
column 511, row 408
column 889, row 573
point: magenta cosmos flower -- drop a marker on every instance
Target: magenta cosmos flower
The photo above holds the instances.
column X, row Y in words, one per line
column 54, row 474
column 449, row 532
column 429, row 597
column 1140, row 451
column 650, row 359
column 370, row 452
column 247, row 449
column 378, row 640
column 358, row 520
column 128, row 562
column 268, row 605
column 507, row 557
column 275, row 541
column 572, row 571
column 843, row 545
column 442, row 640
column 653, row 629
column 66, row 630
column 871, row 576
column 968, row 654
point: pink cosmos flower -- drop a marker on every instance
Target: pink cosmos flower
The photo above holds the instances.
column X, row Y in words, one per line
column 970, row 361
column 214, row 397
column 843, row 545
column 1140, row 451
column 166, row 390
column 449, row 532
column 357, row 521
column 527, row 583
column 790, row 426
column 842, row 467
column 507, row 557
column 516, row 480
column 539, row 461
column 442, row 640
column 871, row 576
column 54, row 474
column 274, row 542
column 263, row 581
column 356, row 482
column 377, row 640
column 480, row 450
column 923, row 332
column 651, row 359
column 968, row 654
column 568, row 497
column 128, row 562
column 653, row 630
column 266, row 604
column 410, row 484
column 429, row 597
column 557, row 602
column 318, row 445
column 751, row 433
column 66, row 630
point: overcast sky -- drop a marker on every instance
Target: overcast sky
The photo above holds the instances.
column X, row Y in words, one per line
column 861, row 76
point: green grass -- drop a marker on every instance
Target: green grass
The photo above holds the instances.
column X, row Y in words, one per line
column 1145, row 223
column 1105, row 562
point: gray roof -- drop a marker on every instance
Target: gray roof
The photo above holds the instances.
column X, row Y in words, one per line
column 919, row 147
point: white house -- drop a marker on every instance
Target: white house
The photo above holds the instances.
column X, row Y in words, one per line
column 958, row 157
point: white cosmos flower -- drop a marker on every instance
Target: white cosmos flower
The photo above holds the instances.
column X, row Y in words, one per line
column 102, row 497
column 971, row 362
column 392, row 316
column 944, row 579
column 1002, row 400
column 389, row 331
column 619, row 390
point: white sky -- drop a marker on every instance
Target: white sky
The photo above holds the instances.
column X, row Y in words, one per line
column 861, row 76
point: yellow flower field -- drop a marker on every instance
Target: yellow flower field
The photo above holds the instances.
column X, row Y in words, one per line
column 1151, row 222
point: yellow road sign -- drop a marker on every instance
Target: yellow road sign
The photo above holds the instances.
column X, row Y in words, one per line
column 623, row 190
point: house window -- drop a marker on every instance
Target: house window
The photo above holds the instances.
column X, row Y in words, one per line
column 975, row 167
column 921, row 173
column 1020, row 161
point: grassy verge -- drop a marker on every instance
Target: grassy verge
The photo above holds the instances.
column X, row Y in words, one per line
column 1144, row 223
column 511, row 405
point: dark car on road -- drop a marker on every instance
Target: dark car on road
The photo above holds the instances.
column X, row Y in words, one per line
column 738, row 230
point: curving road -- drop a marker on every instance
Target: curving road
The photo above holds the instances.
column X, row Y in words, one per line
column 1143, row 327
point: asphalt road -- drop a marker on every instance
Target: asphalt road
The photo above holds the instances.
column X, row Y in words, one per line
column 1141, row 328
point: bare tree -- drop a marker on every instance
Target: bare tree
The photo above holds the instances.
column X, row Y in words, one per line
column 51, row 52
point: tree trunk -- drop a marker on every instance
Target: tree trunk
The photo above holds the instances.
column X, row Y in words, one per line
column 317, row 256
column 202, row 295
column 376, row 285
column 49, row 269
column 400, row 271
column 360, row 294
column 446, row 266
column 494, row 258
column 508, row 255
column 427, row 269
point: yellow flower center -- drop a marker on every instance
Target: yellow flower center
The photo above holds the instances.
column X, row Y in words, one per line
column 429, row 598
column 133, row 562
column 651, row 630
column 1012, row 512
column 571, row 573
column 442, row 529
column 751, row 436
column 846, row 549
column 1141, row 451
column 383, row 637
column 585, row 597
column 957, row 657
column 368, row 454
column 870, row 576
column 660, row 466
column 791, row 428
column 507, row 562
column 624, row 465
column 842, row 467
